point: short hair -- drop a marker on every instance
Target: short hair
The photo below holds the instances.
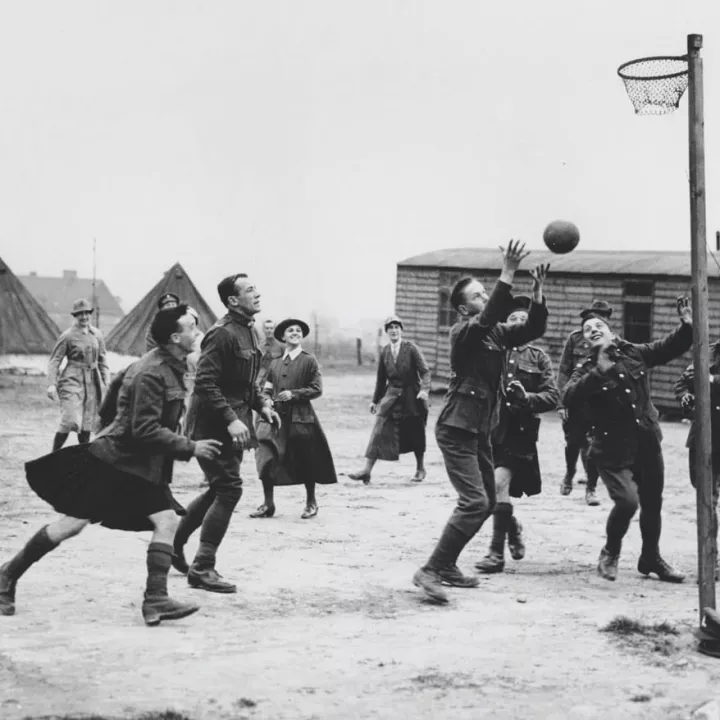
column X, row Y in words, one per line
column 165, row 323
column 457, row 296
column 226, row 287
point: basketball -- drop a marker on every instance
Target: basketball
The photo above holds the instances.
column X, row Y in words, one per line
column 561, row 236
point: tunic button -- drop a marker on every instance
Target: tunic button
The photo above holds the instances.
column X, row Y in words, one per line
column 633, row 405
column 642, row 372
column 509, row 374
column 472, row 392
column 621, row 375
column 604, row 387
column 717, row 407
column 512, row 362
column 627, row 390
column 579, row 364
column 508, row 404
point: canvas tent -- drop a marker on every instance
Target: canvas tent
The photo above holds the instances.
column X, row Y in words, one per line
column 128, row 336
column 25, row 328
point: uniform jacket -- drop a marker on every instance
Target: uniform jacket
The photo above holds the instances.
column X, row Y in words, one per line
column 574, row 354
column 399, row 381
column 477, row 359
column 225, row 380
column 686, row 384
column 145, row 402
column 518, row 423
column 82, row 381
column 617, row 402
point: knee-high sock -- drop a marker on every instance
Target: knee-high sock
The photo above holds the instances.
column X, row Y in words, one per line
column 158, row 566
column 37, row 547
column 214, row 527
column 84, row 437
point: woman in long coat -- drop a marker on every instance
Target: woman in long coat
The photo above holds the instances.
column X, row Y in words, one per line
column 81, row 384
column 400, row 403
column 297, row 453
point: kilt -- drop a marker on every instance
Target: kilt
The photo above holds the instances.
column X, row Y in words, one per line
column 526, row 478
column 76, row 483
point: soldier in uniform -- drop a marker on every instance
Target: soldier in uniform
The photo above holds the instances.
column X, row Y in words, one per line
column 271, row 348
column 82, row 382
column 165, row 302
column 575, row 427
column 122, row 478
column 221, row 408
column 612, row 386
column 685, row 393
column 478, row 344
column 528, row 388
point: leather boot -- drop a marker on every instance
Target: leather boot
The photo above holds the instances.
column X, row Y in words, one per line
column 156, row 609
column 494, row 561
column 591, row 497
column 608, row 564
column 662, row 569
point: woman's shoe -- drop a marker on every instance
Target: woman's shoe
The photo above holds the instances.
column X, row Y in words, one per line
column 264, row 511
column 310, row 511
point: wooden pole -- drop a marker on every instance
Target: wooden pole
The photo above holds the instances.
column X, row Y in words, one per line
column 707, row 550
column 358, row 350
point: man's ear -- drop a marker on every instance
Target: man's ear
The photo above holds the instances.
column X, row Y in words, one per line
column 462, row 310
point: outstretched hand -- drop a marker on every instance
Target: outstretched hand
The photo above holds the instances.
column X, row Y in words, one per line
column 684, row 310
column 513, row 255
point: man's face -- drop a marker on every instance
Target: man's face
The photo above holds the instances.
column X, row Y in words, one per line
column 168, row 303
column 246, row 298
column 394, row 332
column 476, row 298
column 597, row 332
column 83, row 318
column 186, row 333
column 518, row 317
column 293, row 335
column 268, row 328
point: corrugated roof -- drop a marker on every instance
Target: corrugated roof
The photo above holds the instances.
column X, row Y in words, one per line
column 588, row 262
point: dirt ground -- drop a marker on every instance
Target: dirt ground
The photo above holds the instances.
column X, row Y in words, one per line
column 326, row 623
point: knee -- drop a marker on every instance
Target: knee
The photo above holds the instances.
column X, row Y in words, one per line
column 477, row 507
column 229, row 495
column 65, row 528
column 166, row 522
column 627, row 504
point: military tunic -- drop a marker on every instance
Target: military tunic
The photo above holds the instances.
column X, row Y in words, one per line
column 83, row 379
column 514, row 438
column 298, row 452
column 576, row 350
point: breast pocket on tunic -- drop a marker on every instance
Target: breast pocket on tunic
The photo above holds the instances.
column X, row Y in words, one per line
column 244, row 361
column 174, row 407
column 529, row 376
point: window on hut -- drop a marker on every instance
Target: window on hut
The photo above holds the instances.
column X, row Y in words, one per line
column 447, row 315
column 637, row 306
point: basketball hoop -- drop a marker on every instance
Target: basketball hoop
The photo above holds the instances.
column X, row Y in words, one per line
column 655, row 84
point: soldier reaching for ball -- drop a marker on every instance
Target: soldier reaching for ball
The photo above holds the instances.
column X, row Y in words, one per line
column 477, row 357
column 612, row 386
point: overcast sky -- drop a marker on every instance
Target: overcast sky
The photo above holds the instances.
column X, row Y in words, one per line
column 315, row 143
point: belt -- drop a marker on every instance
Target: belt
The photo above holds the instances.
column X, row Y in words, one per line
column 84, row 366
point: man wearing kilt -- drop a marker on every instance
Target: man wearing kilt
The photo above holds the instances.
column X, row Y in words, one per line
column 478, row 345
column 400, row 404
column 297, row 452
column 528, row 389
column 122, row 479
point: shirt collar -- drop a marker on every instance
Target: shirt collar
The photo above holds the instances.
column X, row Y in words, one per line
column 239, row 318
column 170, row 359
column 292, row 354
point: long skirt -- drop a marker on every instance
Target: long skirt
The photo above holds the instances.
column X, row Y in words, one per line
column 76, row 483
column 394, row 435
column 295, row 455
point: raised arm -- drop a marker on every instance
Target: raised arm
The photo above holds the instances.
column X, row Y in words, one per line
column 673, row 345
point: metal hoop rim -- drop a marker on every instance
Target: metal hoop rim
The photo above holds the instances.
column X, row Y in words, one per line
column 625, row 76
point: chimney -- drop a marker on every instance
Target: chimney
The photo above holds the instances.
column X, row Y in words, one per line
column 69, row 275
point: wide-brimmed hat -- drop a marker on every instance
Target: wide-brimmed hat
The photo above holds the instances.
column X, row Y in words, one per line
column 519, row 302
column 600, row 308
column 281, row 327
column 165, row 297
column 81, row 305
column 393, row 319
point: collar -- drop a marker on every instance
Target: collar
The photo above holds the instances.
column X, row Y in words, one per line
column 239, row 318
column 292, row 354
column 169, row 359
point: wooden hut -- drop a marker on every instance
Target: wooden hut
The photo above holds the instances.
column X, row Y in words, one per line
column 641, row 288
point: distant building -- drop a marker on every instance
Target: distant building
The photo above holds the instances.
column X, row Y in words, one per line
column 641, row 288
column 57, row 294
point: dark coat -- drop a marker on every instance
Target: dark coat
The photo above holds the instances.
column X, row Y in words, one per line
column 617, row 402
column 574, row 354
column 225, row 387
column 477, row 359
column 514, row 438
column 399, row 381
column 686, row 384
column 299, row 450
column 146, row 402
